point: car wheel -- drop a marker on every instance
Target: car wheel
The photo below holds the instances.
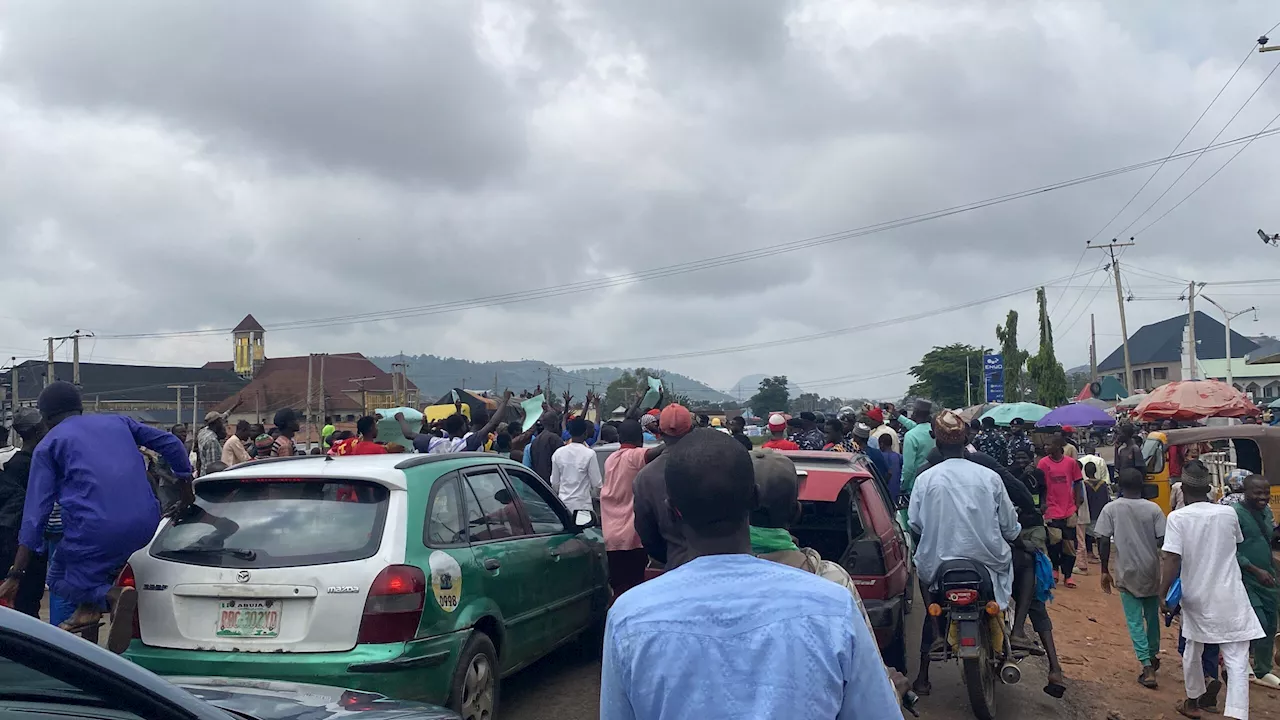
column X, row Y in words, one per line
column 895, row 653
column 473, row 691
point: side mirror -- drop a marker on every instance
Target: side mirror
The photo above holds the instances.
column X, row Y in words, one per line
column 583, row 519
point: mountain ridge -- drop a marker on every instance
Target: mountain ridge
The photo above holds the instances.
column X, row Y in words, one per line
column 435, row 375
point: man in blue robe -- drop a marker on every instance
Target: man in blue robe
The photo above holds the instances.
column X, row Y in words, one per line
column 90, row 465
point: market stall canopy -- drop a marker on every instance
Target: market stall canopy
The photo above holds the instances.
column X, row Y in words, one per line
column 1095, row 402
column 1195, row 399
column 976, row 411
column 1077, row 415
column 1132, row 401
column 1005, row 413
column 1109, row 388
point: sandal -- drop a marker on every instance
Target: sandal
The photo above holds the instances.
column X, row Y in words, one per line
column 81, row 628
column 1148, row 678
column 1055, row 690
column 1071, row 583
column 923, row 689
column 121, row 633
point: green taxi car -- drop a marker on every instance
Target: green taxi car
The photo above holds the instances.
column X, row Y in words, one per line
column 426, row 577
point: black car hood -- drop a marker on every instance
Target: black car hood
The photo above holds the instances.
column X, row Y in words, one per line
column 276, row 700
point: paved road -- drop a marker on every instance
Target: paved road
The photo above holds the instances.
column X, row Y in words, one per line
column 566, row 686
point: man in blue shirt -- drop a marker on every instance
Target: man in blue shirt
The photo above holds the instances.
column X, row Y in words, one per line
column 729, row 635
column 90, row 465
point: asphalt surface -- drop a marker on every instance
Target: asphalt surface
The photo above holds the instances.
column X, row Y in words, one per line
column 566, row 686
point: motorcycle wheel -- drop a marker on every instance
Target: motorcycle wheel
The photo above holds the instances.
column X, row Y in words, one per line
column 980, row 682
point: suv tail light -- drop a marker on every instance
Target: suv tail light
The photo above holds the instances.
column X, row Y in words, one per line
column 393, row 609
column 962, row 597
column 127, row 580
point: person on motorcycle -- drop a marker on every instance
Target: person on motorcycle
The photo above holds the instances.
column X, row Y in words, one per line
column 778, row 505
column 1027, row 552
column 961, row 511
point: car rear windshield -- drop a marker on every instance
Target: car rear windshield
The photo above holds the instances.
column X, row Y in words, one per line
column 276, row 522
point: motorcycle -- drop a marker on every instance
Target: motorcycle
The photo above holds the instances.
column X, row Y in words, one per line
column 977, row 632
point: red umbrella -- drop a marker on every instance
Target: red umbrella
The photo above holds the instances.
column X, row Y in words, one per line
column 1195, row 399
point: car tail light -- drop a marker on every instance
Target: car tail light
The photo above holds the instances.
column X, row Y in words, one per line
column 968, row 642
column 961, row 597
column 127, row 580
column 393, row 609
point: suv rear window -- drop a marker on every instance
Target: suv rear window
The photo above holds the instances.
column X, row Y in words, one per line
column 274, row 522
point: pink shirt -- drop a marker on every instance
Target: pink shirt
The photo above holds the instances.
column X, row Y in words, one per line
column 1060, row 482
column 617, row 499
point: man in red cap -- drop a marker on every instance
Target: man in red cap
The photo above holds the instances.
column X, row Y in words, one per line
column 778, row 433
column 658, row 528
column 875, row 419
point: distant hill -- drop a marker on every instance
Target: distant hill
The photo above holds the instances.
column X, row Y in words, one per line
column 436, row 376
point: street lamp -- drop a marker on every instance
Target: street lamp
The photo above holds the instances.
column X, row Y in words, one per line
column 1229, row 316
column 1272, row 240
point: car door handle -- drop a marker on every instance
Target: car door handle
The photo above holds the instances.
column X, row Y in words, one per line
column 554, row 552
column 492, row 564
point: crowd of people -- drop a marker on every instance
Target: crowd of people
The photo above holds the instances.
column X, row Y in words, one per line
column 713, row 513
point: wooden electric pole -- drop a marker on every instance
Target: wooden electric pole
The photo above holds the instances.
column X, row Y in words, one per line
column 1124, row 327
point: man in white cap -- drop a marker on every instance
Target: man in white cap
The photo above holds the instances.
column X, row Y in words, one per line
column 778, row 434
column 1200, row 547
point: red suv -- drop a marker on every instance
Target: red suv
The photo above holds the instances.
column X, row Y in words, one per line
column 849, row 519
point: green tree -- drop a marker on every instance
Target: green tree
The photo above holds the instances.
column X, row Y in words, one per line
column 1046, row 373
column 940, row 375
column 771, row 397
column 1014, row 358
column 1077, row 381
column 621, row 391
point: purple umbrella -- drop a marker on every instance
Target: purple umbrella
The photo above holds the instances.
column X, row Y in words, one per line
column 1076, row 415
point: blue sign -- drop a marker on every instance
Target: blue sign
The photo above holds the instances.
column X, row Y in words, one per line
column 993, row 377
column 995, row 390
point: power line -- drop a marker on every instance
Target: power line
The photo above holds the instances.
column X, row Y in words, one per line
column 1153, row 174
column 821, row 335
column 692, row 266
column 1206, row 180
column 1192, row 164
column 1185, row 135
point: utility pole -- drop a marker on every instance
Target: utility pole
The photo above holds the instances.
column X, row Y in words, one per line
column 13, row 380
column 1093, row 350
column 48, row 374
column 310, row 357
column 321, row 413
column 1191, row 329
column 75, row 355
column 1124, row 326
column 364, row 394
column 968, row 384
column 195, row 405
column 178, row 406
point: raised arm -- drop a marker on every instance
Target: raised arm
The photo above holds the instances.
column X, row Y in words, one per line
column 479, row 438
column 405, row 429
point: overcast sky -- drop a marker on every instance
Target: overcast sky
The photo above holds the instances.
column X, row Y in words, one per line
column 173, row 165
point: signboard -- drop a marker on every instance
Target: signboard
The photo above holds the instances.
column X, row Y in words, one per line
column 993, row 377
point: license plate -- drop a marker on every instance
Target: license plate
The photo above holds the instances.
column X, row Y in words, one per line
column 249, row 618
